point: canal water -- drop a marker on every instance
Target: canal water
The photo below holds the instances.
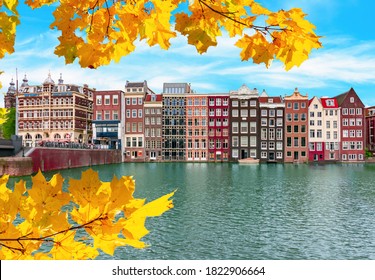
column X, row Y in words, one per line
column 275, row 211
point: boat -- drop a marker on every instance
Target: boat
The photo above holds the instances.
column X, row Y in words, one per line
column 248, row 161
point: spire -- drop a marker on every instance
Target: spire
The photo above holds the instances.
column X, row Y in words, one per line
column 49, row 80
column 12, row 88
column 25, row 82
column 61, row 81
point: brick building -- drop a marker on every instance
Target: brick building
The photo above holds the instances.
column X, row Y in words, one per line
column 296, row 110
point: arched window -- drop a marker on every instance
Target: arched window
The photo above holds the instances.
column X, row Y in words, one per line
column 57, row 136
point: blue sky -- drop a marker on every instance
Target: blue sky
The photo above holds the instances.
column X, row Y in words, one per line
column 346, row 60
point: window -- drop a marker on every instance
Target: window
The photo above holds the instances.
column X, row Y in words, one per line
column 279, row 145
column 271, row 134
column 295, row 141
column 99, row 116
column 303, row 105
column 134, row 101
column 253, row 127
column 279, row 134
column 244, row 127
column 264, row 113
column 295, row 106
column 328, row 124
column 253, row 113
column 351, row 99
column 263, row 145
column 263, row 134
column 312, row 146
column 234, row 141
column 244, row 141
column 127, row 101
column 289, row 141
column 279, row 113
column 134, row 113
column 115, row 100
column 279, row 122
column 244, row 113
column 234, row 127
column 319, row 133
column 345, row 122
column 345, row 111
column 319, row 146
column 98, row 100
column 271, row 145
column 359, row 122
column 295, row 129
column 289, row 129
column 139, row 113
column 107, row 115
column 235, row 103
column 234, row 113
column 140, row 101
column 253, row 141
column 289, row 117
column 296, row 116
column 359, row 111
column 107, row 100
column 263, row 154
column 263, row 122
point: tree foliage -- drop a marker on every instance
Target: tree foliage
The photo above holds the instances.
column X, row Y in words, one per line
column 9, row 125
column 45, row 222
column 96, row 32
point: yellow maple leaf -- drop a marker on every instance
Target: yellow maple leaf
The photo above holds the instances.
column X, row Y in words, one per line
column 65, row 247
column 87, row 190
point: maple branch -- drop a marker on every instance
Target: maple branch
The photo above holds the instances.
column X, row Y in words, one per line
column 259, row 28
column 45, row 238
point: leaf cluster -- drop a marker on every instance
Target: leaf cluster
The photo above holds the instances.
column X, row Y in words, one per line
column 97, row 32
column 43, row 222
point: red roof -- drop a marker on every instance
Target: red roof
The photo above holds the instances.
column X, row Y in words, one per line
column 329, row 102
column 158, row 98
column 275, row 99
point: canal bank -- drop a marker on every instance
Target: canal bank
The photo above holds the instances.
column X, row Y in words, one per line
column 49, row 159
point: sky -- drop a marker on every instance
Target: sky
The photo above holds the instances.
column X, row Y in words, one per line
column 346, row 60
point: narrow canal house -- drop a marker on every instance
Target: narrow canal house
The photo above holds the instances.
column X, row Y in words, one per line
column 352, row 126
column 316, row 131
column 370, row 128
column 331, row 128
column 54, row 112
column 135, row 95
column 296, row 110
column 153, row 127
column 218, row 127
column 196, row 129
column 244, row 107
column 271, row 123
column 174, row 121
column 108, row 123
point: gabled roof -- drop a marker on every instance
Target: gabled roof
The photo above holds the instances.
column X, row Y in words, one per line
column 329, row 102
column 341, row 98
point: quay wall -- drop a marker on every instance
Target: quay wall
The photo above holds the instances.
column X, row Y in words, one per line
column 47, row 159
column 16, row 166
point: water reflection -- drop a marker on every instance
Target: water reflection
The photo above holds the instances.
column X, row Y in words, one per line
column 230, row 211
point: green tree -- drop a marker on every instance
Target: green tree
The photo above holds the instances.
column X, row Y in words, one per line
column 9, row 126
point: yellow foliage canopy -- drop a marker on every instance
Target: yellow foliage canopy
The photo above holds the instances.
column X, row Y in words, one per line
column 107, row 211
column 97, row 32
